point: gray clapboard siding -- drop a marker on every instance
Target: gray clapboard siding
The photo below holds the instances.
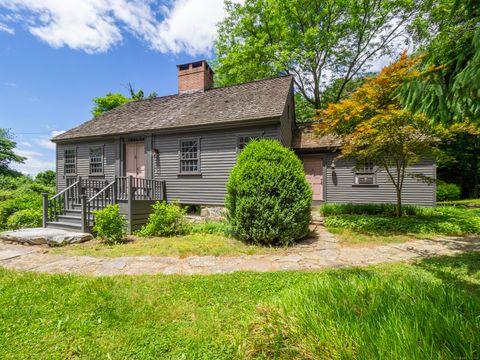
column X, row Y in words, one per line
column 339, row 187
column 287, row 121
column 217, row 157
column 83, row 161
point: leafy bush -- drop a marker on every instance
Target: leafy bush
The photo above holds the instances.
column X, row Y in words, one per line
column 440, row 221
column 20, row 193
column 166, row 219
column 448, row 192
column 209, row 227
column 268, row 198
column 109, row 224
column 331, row 209
column 26, row 218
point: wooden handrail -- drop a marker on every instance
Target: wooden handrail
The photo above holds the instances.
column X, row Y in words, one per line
column 101, row 191
column 64, row 190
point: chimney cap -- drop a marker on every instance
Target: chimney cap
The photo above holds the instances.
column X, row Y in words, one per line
column 194, row 64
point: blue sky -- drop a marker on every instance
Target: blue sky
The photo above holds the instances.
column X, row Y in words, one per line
column 55, row 58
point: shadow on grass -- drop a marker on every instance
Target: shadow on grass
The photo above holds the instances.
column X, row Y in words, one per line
column 457, row 270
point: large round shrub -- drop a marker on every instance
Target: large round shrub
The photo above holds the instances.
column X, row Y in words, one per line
column 268, row 198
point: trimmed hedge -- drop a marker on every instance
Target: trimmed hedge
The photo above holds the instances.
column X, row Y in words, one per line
column 268, row 198
column 332, row 209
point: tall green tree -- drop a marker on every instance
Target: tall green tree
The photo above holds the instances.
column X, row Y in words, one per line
column 461, row 165
column 47, row 178
column 374, row 128
column 113, row 100
column 7, row 153
column 320, row 42
column 449, row 88
column 107, row 103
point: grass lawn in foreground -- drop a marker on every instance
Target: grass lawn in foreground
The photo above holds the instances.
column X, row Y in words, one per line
column 429, row 309
column 355, row 225
column 193, row 244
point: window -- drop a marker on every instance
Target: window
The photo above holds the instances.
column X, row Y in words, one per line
column 96, row 160
column 365, row 174
column 70, row 159
column 244, row 140
column 189, row 156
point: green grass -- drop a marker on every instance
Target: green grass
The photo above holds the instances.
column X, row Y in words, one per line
column 200, row 244
column 461, row 202
column 363, row 224
column 426, row 310
column 430, row 311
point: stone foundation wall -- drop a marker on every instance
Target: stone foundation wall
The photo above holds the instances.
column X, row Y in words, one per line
column 215, row 213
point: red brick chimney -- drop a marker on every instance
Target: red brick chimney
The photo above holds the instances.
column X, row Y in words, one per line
column 193, row 77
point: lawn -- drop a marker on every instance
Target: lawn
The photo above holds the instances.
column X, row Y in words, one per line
column 429, row 309
column 360, row 224
column 463, row 202
column 200, row 244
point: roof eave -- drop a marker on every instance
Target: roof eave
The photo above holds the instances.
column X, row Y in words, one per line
column 176, row 129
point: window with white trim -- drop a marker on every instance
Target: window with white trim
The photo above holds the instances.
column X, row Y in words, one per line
column 69, row 161
column 96, row 160
column 365, row 173
column 244, row 140
column 189, row 156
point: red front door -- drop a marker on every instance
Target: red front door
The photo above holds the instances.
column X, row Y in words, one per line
column 135, row 159
column 313, row 167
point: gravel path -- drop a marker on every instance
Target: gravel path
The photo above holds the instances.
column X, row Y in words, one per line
column 320, row 252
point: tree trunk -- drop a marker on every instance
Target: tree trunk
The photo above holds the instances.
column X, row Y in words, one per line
column 399, row 202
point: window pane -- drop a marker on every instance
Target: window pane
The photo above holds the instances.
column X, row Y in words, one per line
column 189, row 156
column 365, row 174
column 69, row 161
column 96, row 160
column 244, row 140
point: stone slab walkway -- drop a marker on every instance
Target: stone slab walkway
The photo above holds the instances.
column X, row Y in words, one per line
column 324, row 252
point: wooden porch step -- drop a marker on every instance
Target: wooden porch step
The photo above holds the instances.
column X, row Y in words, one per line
column 69, row 219
column 63, row 225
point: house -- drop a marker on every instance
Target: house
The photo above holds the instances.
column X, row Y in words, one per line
column 182, row 148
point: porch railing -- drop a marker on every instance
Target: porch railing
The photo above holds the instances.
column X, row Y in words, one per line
column 57, row 204
column 89, row 195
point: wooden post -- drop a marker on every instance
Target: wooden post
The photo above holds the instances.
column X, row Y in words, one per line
column 114, row 190
column 45, row 209
column 83, row 202
column 79, row 189
column 164, row 191
column 129, row 203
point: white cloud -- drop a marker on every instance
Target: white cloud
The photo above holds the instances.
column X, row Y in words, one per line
column 190, row 26
column 44, row 141
column 7, row 29
column 93, row 26
column 35, row 163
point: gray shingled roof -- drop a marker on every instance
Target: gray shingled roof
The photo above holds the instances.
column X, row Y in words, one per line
column 250, row 101
column 305, row 139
